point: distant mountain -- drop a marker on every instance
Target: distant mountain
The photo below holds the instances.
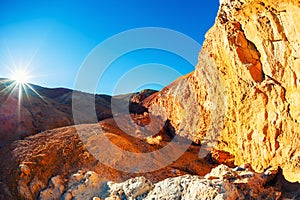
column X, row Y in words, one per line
column 39, row 109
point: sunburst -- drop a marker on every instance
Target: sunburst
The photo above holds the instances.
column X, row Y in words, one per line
column 19, row 85
column 21, row 77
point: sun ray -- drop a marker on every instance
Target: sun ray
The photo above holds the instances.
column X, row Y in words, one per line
column 32, row 89
column 7, row 88
column 26, row 94
column 19, row 102
column 11, row 92
column 11, row 60
column 28, row 64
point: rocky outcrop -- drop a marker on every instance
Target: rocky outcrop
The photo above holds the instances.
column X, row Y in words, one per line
column 254, row 47
column 221, row 183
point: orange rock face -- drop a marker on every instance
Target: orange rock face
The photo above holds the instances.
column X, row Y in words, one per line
column 255, row 50
column 255, row 45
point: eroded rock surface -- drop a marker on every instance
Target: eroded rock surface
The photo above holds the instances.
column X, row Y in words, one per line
column 256, row 48
column 251, row 58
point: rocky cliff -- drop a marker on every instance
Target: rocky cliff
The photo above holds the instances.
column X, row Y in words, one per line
column 244, row 95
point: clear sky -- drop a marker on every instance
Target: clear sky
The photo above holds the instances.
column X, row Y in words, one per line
column 53, row 38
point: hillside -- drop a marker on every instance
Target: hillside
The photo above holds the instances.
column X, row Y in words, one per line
column 41, row 109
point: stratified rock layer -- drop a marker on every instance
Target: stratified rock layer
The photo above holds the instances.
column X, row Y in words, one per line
column 255, row 48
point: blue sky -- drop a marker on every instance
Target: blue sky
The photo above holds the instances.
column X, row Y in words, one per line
column 53, row 38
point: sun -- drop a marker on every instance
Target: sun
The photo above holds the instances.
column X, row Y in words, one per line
column 20, row 77
column 19, row 87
